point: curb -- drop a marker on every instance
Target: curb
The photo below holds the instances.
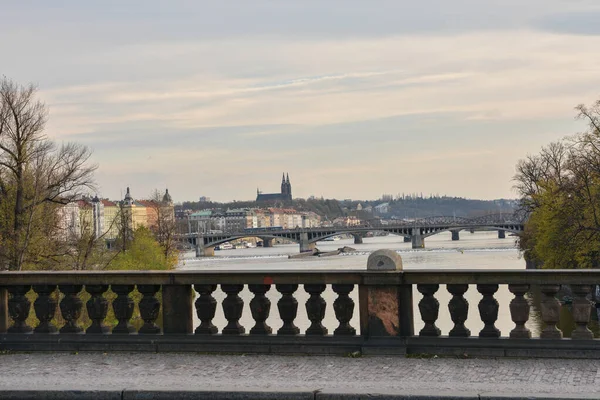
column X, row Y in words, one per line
column 269, row 395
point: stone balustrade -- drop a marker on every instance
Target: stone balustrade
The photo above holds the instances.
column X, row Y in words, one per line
column 385, row 311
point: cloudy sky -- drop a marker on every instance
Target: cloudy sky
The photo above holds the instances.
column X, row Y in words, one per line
column 353, row 98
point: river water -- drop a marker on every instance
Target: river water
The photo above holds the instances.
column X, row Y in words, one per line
column 479, row 250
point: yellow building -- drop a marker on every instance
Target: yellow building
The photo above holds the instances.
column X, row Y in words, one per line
column 111, row 221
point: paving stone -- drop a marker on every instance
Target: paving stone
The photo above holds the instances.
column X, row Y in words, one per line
column 189, row 372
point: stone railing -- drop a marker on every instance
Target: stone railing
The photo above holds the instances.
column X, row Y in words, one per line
column 384, row 313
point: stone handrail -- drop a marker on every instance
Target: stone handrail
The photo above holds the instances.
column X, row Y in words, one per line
column 385, row 311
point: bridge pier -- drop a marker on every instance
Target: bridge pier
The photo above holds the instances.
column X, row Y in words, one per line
column 305, row 245
column 267, row 242
column 501, row 234
column 202, row 251
column 418, row 241
column 358, row 239
column 455, row 235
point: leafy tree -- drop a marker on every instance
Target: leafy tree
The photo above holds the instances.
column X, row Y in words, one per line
column 560, row 187
column 144, row 253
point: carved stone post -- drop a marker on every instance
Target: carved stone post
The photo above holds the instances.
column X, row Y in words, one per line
column 389, row 309
column 18, row 308
column 70, row 308
column 149, row 309
column 582, row 308
column 260, row 306
column 45, row 308
column 550, row 312
column 288, row 309
column 233, row 305
column 459, row 309
column 344, row 309
column 488, row 310
column 177, row 309
column 315, row 310
column 519, row 311
column 429, row 307
column 97, row 308
column 206, row 306
column 123, row 307
column 3, row 310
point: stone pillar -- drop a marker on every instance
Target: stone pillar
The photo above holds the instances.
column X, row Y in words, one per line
column 455, row 235
column 358, row 239
column 3, row 310
column 202, row 251
column 501, row 234
column 418, row 242
column 267, row 242
column 177, row 309
column 389, row 309
column 304, row 244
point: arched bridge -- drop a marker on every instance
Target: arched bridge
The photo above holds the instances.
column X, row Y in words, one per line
column 414, row 231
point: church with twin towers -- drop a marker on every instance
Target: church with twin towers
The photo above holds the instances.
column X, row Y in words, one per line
column 285, row 195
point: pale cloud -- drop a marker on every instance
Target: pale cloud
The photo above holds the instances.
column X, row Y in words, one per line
column 395, row 96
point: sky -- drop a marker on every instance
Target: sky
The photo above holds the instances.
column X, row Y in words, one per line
column 353, row 99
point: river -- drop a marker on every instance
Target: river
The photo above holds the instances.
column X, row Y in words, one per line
column 479, row 250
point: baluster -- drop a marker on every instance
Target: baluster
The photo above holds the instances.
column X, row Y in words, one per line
column 288, row 309
column 488, row 311
column 45, row 308
column 550, row 312
column 519, row 312
column 344, row 309
column 315, row 309
column 149, row 309
column 206, row 306
column 260, row 306
column 18, row 308
column 233, row 305
column 70, row 308
column 97, row 308
column 123, row 307
column 459, row 309
column 429, row 307
column 582, row 308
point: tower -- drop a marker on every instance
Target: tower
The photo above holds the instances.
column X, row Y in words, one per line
column 288, row 194
column 128, row 200
column 97, row 216
column 283, row 186
column 167, row 198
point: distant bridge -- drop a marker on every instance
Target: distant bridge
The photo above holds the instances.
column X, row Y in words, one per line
column 414, row 231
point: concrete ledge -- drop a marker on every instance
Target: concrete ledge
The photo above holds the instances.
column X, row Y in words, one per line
column 216, row 395
column 504, row 347
column 257, row 344
column 61, row 394
column 448, row 396
column 269, row 395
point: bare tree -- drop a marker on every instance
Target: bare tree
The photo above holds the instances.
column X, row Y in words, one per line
column 85, row 244
column 161, row 220
column 34, row 174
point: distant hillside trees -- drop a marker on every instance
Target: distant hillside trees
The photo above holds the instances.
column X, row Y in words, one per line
column 560, row 187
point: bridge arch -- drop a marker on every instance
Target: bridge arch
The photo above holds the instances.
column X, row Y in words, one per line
column 456, row 228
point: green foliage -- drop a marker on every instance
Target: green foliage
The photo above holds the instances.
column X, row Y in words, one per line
column 561, row 189
column 144, row 253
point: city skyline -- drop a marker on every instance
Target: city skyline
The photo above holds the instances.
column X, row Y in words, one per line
column 354, row 99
